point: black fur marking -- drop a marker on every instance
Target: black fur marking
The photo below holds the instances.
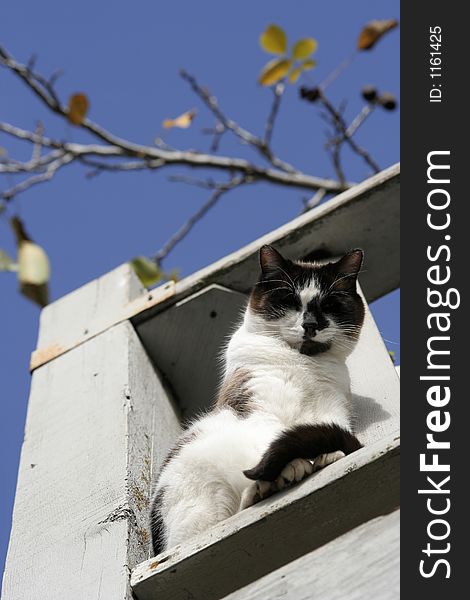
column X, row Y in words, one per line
column 185, row 438
column 235, row 394
column 303, row 441
column 310, row 347
column 157, row 527
column 281, row 280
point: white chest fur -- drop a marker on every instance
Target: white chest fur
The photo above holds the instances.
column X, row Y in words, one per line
column 291, row 386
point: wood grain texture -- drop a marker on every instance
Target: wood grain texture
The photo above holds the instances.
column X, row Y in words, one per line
column 278, row 530
column 80, row 516
column 360, row 565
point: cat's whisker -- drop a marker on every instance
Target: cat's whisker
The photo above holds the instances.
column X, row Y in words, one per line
column 288, row 276
column 277, row 289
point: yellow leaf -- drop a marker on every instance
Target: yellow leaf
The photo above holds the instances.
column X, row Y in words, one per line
column 308, row 64
column 78, row 108
column 373, row 31
column 33, row 264
column 274, row 71
column 273, row 40
column 3, row 152
column 304, row 48
column 294, row 74
column 183, row 121
column 146, row 270
column 33, row 272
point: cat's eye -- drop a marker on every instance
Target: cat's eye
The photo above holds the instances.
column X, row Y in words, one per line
column 331, row 301
column 292, row 301
column 289, row 300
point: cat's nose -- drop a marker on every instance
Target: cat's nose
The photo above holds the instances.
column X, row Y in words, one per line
column 310, row 327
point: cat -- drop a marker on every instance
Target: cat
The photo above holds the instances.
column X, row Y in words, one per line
column 284, row 407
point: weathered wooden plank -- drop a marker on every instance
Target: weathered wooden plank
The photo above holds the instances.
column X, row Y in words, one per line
column 75, row 315
column 92, row 309
column 99, row 421
column 360, row 565
column 271, row 534
column 174, row 340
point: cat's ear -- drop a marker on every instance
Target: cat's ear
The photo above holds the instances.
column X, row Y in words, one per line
column 271, row 260
column 347, row 269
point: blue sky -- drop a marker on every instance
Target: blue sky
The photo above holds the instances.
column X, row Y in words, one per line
column 126, row 57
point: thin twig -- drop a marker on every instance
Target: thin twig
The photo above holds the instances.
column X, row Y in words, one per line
column 206, row 184
column 341, row 128
column 337, row 71
column 37, row 148
column 49, row 173
column 358, row 120
column 314, row 200
column 246, row 136
column 177, row 237
column 278, row 91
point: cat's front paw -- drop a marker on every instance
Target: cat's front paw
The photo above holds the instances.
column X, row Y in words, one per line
column 257, row 491
column 327, row 459
column 293, row 472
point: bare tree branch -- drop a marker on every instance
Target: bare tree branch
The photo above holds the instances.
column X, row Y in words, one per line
column 278, row 91
column 246, row 136
column 219, row 190
column 341, row 127
column 358, row 120
column 314, row 200
column 37, row 148
column 147, row 157
column 48, row 174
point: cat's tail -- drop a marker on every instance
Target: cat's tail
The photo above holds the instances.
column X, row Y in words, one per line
column 302, row 441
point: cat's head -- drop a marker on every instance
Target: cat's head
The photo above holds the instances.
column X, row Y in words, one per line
column 312, row 307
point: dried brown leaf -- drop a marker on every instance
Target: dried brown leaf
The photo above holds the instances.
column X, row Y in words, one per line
column 373, row 32
column 78, row 108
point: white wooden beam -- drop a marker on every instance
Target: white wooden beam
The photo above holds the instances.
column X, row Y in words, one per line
column 278, row 530
column 99, row 423
column 360, row 565
column 91, row 310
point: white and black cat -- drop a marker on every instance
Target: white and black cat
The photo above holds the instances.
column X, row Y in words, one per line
column 284, row 407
